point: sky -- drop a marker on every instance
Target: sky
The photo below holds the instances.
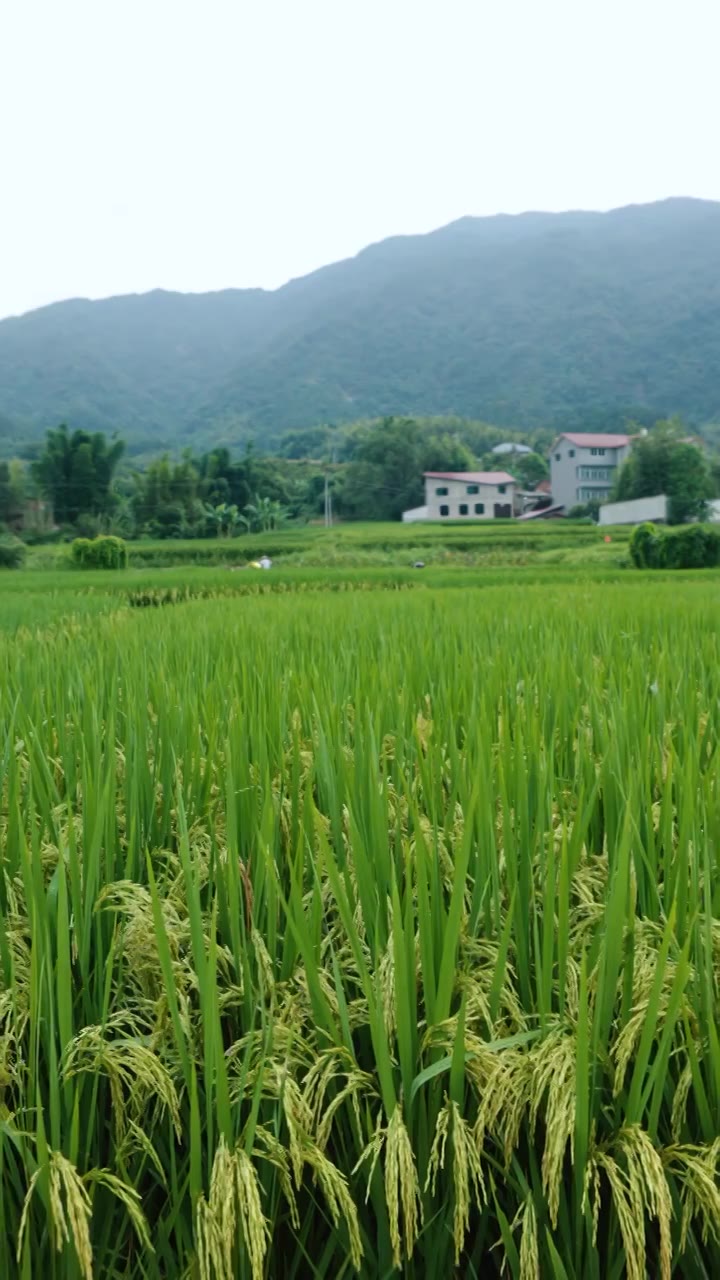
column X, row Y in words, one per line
column 208, row 144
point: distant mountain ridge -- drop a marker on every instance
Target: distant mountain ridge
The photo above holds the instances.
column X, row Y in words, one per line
column 526, row 321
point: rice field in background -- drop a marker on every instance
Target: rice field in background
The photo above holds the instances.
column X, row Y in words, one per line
column 375, row 543
column 368, row 933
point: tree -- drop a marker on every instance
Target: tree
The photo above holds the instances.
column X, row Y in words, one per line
column 528, row 468
column 263, row 514
column 224, row 518
column 12, row 500
column 165, row 502
column 75, row 473
column 213, row 469
column 689, row 484
column 664, row 462
column 313, row 442
column 222, row 480
column 385, row 476
column 446, row 452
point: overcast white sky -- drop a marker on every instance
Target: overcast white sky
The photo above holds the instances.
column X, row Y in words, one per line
column 201, row 144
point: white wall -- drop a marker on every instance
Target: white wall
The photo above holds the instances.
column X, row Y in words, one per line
column 634, row 512
column 414, row 514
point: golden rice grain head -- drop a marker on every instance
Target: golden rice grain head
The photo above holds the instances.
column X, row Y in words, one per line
column 70, row 1211
column 553, row 1086
column 222, row 1204
column 649, row 1187
column 254, row 1226
column 529, row 1254
column 468, row 1181
column 402, row 1190
column 339, row 1200
column 128, row 1197
column 695, row 1170
column 268, row 1147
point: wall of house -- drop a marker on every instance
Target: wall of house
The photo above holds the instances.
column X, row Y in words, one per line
column 562, row 473
column 457, row 495
column 581, row 474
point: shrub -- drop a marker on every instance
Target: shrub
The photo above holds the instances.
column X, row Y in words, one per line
column 12, row 553
column 587, row 512
column 88, row 525
column 99, row 553
column 692, row 546
column 647, row 546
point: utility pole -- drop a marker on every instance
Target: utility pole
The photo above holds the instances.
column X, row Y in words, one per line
column 328, row 494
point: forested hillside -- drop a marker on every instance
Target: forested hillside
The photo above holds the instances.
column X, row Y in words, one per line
column 530, row 321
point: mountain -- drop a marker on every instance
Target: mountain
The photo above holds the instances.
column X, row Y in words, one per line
column 530, row 320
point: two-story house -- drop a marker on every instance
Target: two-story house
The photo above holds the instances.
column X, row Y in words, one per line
column 583, row 467
column 472, row 495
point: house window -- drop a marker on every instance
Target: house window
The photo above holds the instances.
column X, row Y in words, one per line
column 444, row 510
column 463, row 508
column 441, row 493
column 571, row 453
column 473, row 488
column 558, row 457
column 502, row 488
column 597, row 453
column 479, row 508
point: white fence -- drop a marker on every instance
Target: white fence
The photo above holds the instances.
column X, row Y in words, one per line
column 634, row 512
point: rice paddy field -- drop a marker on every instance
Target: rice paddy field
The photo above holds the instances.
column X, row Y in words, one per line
column 357, row 930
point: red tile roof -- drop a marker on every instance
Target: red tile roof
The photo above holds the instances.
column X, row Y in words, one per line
column 472, row 477
column 598, row 441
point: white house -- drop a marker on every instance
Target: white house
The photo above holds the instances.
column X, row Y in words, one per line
column 583, row 467
column 471, row 495
column 509, row 446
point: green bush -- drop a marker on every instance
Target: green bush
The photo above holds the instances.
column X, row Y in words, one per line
column 647, row 547
column 585, row 512
column 12, row 553
column 99, row 553
column 691, row 546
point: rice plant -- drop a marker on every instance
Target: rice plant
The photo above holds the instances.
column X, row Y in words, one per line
column 374, row 934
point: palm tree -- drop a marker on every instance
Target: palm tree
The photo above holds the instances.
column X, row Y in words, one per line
column 278, row 514
column 264, row 514
column 225, row 517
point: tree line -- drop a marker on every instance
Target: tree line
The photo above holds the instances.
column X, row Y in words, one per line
column 83, row 483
